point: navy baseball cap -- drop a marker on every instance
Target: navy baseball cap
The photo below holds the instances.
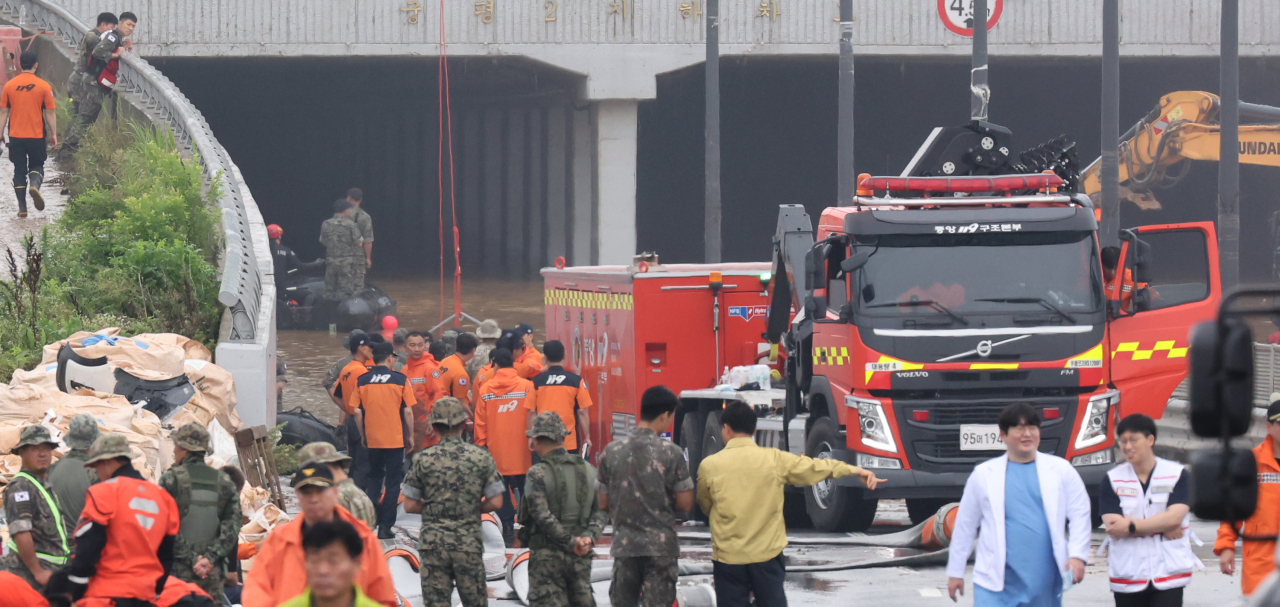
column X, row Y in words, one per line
column 383, row 349
column 523, row 329
column 358, row 338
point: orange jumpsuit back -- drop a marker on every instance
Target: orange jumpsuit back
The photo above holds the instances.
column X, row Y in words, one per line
column 502, row 418
column 137, row 515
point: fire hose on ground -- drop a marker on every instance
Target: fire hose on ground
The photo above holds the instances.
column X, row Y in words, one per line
column 932, row 535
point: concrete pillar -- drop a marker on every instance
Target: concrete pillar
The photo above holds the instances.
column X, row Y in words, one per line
column 616, row 123
column 583, row 189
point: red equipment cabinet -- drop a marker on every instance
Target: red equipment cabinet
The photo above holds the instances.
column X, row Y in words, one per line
column 627, row 328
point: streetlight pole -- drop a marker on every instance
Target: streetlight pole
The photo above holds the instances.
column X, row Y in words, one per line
column 711, row 234
column 844, row 147
column 1110, row 175
column 1229, row 147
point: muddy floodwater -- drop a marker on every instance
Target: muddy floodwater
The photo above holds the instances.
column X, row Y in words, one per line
column 310, row 353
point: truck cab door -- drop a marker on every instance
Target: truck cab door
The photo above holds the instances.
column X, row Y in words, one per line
column 1168, row 281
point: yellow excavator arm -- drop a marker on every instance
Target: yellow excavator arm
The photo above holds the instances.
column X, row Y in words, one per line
column 1182, row 127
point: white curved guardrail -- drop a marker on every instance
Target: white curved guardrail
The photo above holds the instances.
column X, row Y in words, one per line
column 246, row 345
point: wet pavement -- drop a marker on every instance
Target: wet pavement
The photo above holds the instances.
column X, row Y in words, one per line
column 11, row 227
column 900, row 586
column 309, row 354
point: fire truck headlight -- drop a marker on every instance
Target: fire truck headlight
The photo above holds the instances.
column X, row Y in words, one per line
column 1093, row 429
column 872, row 423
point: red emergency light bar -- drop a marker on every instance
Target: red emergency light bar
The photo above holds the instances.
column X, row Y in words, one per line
column 1000, row 183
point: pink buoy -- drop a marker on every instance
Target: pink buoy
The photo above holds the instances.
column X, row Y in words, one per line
column 390, row 323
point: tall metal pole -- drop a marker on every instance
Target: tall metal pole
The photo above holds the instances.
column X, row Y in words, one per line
column 978, row 77
column 844, row 147
column 1229, row 150
column 1109, row 230
column 712, row 203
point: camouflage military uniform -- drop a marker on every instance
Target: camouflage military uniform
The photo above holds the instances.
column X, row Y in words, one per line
column 30, row 507
column 363, row 221
column 357, row 502
column 641, row 476
column 344, row 259
column 180, row 481
column 89, row 93
column 557, row 576
column 350, row 496
column 76, row 81
column 451, row 479
column 69, row 479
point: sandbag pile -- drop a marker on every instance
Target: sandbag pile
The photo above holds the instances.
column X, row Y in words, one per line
column 23, row 405
column 261, row 514
column 33, row 396
column 149, row 356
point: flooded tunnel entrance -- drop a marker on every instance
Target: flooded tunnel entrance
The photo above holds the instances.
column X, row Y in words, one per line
column 303, row 130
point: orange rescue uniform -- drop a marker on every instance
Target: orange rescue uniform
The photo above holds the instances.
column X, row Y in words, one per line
column 1259, row 554
column 564, row 393
column 529, row 365
column 501, row 420
column 426, row 389
column 483, row 376
column 381, row 396
column 279, row 572
column 137, row 515
column 16, row 592
column 346, row 386
column 175, row 590
column 454, row 380
column 27, row 97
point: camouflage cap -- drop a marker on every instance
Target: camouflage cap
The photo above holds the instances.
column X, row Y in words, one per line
column 322, row 453
column 192, row 437
column 448, row 411
column 547, row 425
column 83, row 431
column 34, row 434
column 110, row 446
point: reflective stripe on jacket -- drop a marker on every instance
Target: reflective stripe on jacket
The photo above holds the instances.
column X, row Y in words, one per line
column 1136, row 561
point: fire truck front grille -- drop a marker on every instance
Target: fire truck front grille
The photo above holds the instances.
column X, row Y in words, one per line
column 933, row 442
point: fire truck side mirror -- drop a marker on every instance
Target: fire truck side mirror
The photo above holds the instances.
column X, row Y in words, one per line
column 855, row 261
column 1141, row 252
column 1221, row 378
column 1222, row 489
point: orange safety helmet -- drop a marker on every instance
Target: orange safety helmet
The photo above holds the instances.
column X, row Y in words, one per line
column 274, row 231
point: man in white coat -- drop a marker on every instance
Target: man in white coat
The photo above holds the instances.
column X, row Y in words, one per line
column 1021, row 503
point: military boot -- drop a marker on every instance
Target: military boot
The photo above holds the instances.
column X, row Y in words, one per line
column 34, row 180
column 21, row 191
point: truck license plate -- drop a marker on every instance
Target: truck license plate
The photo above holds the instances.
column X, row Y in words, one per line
column 980, row 437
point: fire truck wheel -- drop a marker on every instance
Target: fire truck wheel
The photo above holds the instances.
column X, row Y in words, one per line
column 921, row 508
column 833, row 508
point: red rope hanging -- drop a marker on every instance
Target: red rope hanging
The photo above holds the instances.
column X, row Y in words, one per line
column 446, row 121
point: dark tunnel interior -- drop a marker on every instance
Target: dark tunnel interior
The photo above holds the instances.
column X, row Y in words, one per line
column 303, row 130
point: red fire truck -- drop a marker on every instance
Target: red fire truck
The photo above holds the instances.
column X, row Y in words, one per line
column 914, row 317
column 627, row 328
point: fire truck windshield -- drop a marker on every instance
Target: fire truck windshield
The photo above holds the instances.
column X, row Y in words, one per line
column 1053, row 274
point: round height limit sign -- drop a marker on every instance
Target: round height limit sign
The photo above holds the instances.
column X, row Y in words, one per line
column 957, row 15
